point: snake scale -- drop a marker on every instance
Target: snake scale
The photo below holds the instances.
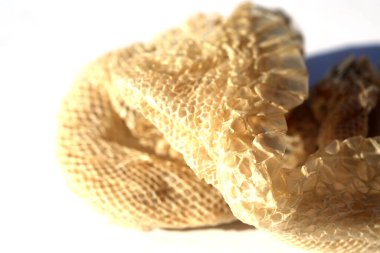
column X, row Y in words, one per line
column 210, row 122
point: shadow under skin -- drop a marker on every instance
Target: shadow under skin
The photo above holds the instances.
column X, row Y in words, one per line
column 233, row 226
column 236, row 225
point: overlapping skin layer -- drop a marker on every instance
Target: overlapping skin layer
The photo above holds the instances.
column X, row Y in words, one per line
column 217, row 92
column 122, row 165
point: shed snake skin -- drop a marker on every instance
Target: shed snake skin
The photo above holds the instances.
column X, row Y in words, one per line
column 208, row 123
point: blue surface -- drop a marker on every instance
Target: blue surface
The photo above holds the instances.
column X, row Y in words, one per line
column 319, row 65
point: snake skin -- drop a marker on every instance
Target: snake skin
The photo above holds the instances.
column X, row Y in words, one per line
column 212, row 100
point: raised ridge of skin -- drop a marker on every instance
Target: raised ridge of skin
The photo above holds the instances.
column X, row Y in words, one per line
column 219, row 90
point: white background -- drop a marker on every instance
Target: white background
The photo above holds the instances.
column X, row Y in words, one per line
column 43, row 44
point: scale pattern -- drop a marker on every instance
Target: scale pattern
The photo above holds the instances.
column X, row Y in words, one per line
column 215, row 95
column 123, row 175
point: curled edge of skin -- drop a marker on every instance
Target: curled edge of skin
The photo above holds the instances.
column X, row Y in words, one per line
column 230, row 124
column 218, row 89
column 330, row 201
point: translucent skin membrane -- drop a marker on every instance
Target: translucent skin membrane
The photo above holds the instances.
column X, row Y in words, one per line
column 343, row 173
column 218, row 90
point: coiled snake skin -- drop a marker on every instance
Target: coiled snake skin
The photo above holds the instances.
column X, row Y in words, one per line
column 146, row 129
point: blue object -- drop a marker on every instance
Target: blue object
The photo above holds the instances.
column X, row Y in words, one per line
column 320, row 64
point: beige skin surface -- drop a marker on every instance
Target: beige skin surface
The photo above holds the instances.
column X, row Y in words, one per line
column 143, row 126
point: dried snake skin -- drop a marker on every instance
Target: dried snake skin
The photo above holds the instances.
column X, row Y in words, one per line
column 218, row 92
column 118, row 160
column 137, row 184
column 341, row 112
column 122, row 164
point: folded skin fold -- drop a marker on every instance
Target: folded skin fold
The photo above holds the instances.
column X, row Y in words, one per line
column 224, row 95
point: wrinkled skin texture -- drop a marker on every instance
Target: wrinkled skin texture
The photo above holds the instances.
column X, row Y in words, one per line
column 342, row 176
column 215, row 95
column 125, row 108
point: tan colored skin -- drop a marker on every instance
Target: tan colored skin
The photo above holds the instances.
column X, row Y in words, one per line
column 218, row 91
column 123, row 170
